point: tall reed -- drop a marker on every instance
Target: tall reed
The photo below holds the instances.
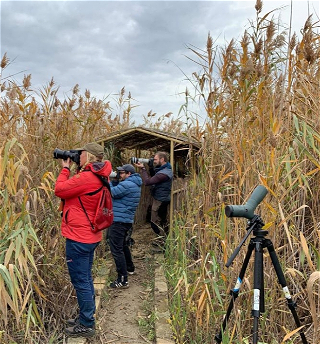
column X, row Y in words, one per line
column 262, row 127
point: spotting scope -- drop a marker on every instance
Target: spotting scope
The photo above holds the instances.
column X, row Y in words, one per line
column 247, row 210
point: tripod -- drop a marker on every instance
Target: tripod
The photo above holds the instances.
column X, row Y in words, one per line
column 258, row 243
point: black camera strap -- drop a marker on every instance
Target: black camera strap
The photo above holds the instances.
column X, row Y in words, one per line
column 104, row 183
column 86, row 212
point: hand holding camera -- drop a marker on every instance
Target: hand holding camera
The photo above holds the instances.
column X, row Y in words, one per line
column 139, row 162
column 66, row 163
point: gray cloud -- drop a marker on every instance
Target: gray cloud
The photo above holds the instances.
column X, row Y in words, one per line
column 105, row 45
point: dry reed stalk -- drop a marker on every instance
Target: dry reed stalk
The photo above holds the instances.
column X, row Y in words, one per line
column 313, row 294
column 251, row 137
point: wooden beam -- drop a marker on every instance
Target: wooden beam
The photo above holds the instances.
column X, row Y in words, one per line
column 171, row 197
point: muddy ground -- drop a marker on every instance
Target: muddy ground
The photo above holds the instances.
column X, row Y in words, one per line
column 125, row 316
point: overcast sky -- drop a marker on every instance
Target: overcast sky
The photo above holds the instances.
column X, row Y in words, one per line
column 105, row 45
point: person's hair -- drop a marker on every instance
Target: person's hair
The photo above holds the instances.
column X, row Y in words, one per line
column 163, row 155
column 126, row 172
column 90, row 158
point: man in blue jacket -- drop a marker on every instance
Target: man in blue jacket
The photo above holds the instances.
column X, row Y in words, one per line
column 125, row 199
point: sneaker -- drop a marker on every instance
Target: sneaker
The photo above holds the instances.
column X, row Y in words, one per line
column 73, row 321
column 130, row 270
column 119, row 284
column 80, row 330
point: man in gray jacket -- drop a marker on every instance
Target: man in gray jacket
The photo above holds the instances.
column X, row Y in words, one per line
column 160, row 180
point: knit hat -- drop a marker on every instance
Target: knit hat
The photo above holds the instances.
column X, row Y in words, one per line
column 127, row 168
column 93, row 148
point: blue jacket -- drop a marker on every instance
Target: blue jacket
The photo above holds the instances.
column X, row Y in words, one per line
column 125, row 198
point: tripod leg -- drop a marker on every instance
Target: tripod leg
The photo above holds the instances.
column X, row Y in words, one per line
column 291, row 304
column 258, row 293
column 262, row 306
column 235, row 292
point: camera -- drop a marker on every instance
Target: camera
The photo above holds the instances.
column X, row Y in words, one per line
column 135, row 160
column 73, row 154
column 113, row 174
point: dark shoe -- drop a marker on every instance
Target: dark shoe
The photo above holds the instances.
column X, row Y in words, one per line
column 80, row 330
column 74, row 321
column 119, row 284
column 130, row 270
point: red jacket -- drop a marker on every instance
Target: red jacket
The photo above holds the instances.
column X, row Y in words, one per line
column 75, row 224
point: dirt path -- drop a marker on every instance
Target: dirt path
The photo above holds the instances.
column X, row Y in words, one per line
column 121, row 310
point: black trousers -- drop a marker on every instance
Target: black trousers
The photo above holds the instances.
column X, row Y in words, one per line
column 119, row 248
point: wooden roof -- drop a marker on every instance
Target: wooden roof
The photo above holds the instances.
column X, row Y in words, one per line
column 146, row 139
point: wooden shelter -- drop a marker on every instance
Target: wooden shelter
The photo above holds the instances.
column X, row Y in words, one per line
column 144, row 143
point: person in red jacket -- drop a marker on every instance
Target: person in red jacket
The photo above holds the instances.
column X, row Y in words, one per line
column 75, row 227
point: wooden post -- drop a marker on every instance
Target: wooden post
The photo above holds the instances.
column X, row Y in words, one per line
column 171, row 197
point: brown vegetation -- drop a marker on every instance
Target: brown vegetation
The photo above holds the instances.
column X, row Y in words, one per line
column 262, row 103
column 261, row 99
